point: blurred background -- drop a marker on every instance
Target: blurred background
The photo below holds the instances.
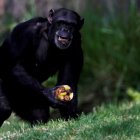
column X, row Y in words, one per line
column 110, row 40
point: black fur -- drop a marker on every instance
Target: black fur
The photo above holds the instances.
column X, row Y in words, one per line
column 30, row 55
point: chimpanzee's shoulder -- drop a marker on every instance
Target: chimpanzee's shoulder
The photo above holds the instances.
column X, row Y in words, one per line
column 33, row 21
column 31, row 25
column 36, row 20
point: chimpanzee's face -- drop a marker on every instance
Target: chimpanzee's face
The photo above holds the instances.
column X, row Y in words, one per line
column 65, row 24
column 64, row 34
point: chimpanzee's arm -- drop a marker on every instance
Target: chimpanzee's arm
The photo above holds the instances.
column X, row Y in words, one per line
column 69, row 75
column 20, row 76
column 14, row 50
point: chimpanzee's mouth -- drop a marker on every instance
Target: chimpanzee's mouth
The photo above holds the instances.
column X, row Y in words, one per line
column 62, row 42
column 65, row 41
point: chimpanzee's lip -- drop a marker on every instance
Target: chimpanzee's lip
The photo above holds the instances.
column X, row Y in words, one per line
column 64, row 40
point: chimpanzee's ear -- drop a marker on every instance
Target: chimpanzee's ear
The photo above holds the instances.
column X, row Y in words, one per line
column 81, row 23
column 51, row 13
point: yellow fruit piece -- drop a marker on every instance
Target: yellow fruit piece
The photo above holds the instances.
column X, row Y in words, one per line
column 71, row 95
column 60, row 98
column 67, row 87
column 63, row 94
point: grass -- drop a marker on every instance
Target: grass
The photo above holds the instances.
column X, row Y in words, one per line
column 107, row 122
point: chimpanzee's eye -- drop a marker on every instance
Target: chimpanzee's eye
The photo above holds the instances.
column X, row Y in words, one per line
column 72, row 26
column 59, row 23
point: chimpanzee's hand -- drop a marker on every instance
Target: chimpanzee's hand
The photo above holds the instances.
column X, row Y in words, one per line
column 59, row 96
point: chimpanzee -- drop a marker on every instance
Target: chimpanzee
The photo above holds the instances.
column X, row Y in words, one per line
column 35, row 50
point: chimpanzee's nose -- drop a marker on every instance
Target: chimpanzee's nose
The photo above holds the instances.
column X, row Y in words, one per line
column 65, row 30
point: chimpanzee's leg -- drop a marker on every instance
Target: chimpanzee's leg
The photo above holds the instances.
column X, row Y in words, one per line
column 34, row 116
column 69, row 111
column 5, row 109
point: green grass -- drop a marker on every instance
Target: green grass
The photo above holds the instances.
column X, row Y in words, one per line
column 107, row 122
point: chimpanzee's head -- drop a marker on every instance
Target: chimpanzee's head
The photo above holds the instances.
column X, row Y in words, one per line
column 64, row 25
